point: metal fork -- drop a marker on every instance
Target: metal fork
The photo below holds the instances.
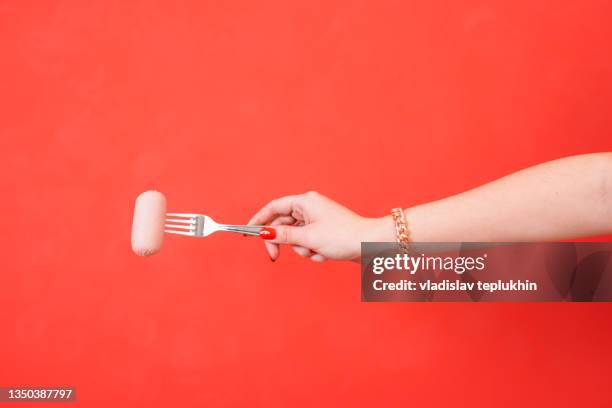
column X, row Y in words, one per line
column 197, row 225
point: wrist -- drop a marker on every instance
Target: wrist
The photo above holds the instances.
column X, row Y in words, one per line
column 371, row 230
column 381, row 229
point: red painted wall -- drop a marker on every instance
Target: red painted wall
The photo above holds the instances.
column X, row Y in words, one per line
column 226, row 105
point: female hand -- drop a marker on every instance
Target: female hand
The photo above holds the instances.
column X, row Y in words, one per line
column 561, row 199
column 319, row 228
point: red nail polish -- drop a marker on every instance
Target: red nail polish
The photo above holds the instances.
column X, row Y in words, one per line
column 267, row 233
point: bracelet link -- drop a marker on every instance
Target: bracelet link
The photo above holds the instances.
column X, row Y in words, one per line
column 401, row 229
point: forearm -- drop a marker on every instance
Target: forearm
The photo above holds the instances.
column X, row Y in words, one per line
column 562, row 199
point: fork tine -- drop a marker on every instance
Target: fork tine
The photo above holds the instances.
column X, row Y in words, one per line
column 190, row 221
column 181, row 215
column 185, row 227
column 190, row 234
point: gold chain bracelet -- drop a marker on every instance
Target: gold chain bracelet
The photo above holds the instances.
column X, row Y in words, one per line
column 401, row 228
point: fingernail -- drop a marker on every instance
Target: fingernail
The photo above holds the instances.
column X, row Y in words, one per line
column 267, row 233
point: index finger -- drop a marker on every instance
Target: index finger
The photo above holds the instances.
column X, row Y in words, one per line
column 280, row 206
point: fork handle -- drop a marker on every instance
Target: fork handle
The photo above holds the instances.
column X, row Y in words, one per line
column 242, row 229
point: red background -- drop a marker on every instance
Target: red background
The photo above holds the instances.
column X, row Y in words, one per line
column 226, row 105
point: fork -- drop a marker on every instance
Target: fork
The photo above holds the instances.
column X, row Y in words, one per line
column 198, row 225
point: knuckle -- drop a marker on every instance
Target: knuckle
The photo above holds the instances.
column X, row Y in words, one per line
column 273, row 203
column 318, row 258
column 285, row 235
column 301, row 251
column 311, row 195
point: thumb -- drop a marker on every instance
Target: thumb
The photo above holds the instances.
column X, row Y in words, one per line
column 288, row 234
